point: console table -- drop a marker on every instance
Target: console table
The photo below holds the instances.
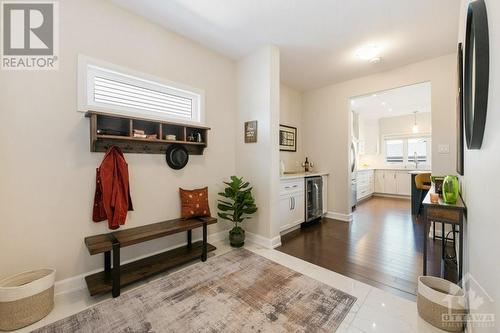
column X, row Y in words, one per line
column 444, row 213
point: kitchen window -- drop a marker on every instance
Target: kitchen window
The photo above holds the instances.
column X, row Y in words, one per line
column 394, row 151
column 404, row 150
column 112, row 89
column 417, row 148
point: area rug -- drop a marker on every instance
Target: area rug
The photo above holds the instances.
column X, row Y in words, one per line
column 239, row 291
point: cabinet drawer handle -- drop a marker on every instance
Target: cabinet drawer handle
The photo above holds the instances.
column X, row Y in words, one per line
column 294, row 186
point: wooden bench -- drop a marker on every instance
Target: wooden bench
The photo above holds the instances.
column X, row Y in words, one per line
column 113, row 278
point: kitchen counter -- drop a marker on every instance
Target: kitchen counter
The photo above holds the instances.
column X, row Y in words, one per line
column 418, row 172
column 302, row 175
column 410, row 171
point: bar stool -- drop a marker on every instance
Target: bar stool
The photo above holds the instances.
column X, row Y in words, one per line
column 423, row 184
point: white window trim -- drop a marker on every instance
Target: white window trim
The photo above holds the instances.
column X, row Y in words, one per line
column 83, row 86
column 405, row 137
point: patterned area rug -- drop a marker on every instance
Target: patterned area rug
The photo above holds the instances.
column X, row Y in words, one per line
column 236, row 292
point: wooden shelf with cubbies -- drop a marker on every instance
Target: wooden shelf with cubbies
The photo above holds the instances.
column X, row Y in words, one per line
column 143, row 136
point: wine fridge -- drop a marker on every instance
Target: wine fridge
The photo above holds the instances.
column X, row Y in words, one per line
column 314, row 198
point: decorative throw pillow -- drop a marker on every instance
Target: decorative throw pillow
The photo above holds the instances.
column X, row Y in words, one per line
column 194, row 203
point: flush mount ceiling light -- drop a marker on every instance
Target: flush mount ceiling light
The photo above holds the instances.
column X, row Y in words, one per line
column 369, row 52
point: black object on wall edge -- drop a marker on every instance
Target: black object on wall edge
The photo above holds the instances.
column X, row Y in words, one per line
column 460, row 110
column 476, row 78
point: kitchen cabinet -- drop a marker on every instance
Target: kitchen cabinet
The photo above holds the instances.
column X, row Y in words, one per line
column 379, row 181
column 365, row 184
column 403, row 183
column 393, row 182
column 390, row 184
column 325, row 192
column 291, row 203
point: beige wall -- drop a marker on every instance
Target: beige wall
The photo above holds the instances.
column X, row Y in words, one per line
column 481, row 191
column 47, row 171
column 291, row 115
column 258, row 99
column 326, row 120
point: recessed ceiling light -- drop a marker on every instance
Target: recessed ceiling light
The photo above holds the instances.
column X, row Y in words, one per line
column 374, row 95
column 369, row 52
column 390, row 109
column 384, row 103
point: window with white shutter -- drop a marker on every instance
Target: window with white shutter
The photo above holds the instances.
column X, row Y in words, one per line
column 118, row 91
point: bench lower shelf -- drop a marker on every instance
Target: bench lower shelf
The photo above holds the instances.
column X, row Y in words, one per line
column 101, row 282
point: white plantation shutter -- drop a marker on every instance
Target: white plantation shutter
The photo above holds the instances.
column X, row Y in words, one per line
column 394, row 151
column 115, row 91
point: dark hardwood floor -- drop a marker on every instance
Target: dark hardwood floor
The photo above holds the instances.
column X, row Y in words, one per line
column 381, row 247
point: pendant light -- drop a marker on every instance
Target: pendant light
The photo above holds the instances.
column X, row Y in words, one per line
column 415, row 126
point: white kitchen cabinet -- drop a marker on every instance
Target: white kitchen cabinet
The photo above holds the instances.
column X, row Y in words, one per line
column 390, row 183
column 325, row 194
column 365, row 184
column 393, row 182
column 291, row 211
column 403, row 183
column 379, row 181
column 291, row 204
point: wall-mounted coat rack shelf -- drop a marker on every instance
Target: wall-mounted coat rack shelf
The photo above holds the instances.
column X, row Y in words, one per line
column 108, row 129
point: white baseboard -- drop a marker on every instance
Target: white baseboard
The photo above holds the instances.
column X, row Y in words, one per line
column 284, row 232
column 269, row 243
column 78, row 282
column 394, row 196
column 340, row 216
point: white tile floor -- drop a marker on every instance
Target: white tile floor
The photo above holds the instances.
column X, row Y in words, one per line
column 374, row 311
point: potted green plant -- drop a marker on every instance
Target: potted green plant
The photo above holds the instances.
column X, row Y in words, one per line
column 237, row 206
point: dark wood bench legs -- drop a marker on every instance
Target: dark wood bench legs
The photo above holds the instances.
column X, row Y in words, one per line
column 107, row 264
column 204, row 249
column 112, row 259
column 116, row 269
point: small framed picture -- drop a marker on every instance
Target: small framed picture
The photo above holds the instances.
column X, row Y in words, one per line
column 288, row 138
column 251, row 131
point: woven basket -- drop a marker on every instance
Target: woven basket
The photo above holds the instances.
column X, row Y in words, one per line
column 441, row 303
column 26, row 298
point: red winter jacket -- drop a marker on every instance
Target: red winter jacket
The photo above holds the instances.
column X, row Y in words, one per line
column 112, row 194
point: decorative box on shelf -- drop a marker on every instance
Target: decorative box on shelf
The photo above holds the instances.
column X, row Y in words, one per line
column 143, row 136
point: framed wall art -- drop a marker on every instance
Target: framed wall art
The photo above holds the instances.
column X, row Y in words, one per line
column 288, row 138
column 251, row 131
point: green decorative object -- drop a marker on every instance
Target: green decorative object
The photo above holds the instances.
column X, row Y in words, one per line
column 450, row 189
column 236, row 206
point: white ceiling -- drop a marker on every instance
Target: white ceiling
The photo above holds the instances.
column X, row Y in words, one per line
column 318, row 39
column 394, row 102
